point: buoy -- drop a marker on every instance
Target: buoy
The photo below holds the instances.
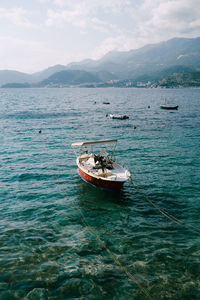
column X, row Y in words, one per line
column 134, row 127
column 149, row 106
column 106, row 115
column 40, row 131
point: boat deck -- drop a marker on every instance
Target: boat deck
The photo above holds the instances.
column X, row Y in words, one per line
column 110, row 171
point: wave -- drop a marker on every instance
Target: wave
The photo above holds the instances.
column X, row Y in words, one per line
column 37, row 115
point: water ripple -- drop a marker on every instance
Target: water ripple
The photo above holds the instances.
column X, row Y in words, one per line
column 47, row 248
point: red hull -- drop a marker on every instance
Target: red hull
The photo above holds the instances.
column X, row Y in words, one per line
column 113, row 185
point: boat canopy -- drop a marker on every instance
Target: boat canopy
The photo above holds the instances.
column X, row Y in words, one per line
column 80, row 144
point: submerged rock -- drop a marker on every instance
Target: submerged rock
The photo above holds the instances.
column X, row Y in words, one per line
column 37, row 294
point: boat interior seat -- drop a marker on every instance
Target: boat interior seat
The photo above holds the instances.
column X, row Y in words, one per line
column 85, row 156
column 104, row 174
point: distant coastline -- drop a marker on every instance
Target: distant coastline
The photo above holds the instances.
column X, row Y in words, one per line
column 171, row 64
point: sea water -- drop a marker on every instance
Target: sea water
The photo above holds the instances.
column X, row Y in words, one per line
column 61, row 238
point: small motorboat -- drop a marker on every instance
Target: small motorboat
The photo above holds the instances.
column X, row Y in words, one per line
column 165, row 106
column 168, row 107
column 120, row 117
column 100, row 169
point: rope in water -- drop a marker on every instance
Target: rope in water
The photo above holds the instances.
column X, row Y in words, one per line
column 84, row 221
column 90, row 229
column 165, row 213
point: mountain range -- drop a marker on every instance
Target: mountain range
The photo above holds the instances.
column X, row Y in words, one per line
column 150, row 63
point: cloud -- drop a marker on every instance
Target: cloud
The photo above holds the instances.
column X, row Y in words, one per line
column 28, row 56
column 94, row 5
column 85, row 14
column 152, row 22
column 107, row 24
column 17, row 16
column 168, row 19
column 60, row 17
column 80, row 17
column 123, row 42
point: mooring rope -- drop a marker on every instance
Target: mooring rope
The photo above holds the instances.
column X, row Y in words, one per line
column 124, row 269
column 165, row 213
column 84, row 221
column 114, row 257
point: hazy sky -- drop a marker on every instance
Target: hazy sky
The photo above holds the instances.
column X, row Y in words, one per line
column 36, row 34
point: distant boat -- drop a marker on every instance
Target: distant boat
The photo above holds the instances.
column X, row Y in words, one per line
column 100, row 169
column 120, row 117
column 106, row 102
column 165, row 106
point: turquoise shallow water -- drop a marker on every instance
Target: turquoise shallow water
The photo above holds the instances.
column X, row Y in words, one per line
column 46, row 251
